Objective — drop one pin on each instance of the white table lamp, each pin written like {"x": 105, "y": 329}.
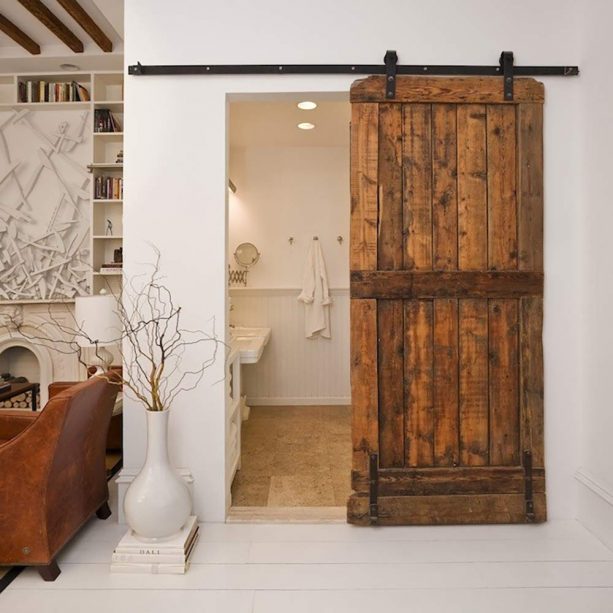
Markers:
{"x": 98, "y": 320}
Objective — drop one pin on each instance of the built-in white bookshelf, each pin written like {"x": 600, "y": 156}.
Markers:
{"x": 105, "y": 91}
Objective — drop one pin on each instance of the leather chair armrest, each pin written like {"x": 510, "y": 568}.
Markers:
{"x": 13, "y": 423}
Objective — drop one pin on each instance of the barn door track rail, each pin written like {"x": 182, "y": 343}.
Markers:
{"x": 390, "y": 68}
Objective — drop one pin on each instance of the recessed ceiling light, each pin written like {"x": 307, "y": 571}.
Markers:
{"x": 307, "y": 105}
{"x": 69, "y": 67}
{"x": 306, "y": 125}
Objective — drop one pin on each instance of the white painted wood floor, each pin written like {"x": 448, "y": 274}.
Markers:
{"x": 249, "y": 568}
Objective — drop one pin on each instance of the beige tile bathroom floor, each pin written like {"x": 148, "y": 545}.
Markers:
{"x": 295, "y": 457}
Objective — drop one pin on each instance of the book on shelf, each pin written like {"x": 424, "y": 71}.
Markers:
{"x": 52, "y": 91}
{"x": 83, "y": 93}
{"x": 105, "y": 121}
{"x": 111, "y": 268}
{"x": 108, "y": 188}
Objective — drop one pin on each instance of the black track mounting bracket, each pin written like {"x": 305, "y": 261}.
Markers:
{"x": 391, "y": 62}
{"x": 136, "y": 69}
{"x": 506, "y": 66}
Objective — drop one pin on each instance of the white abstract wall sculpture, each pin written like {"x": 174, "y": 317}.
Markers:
{"x": 44, "y": 204}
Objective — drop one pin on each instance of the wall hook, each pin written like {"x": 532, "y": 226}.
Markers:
{"x": 291, "y": 240}
{"x": 339, "y": 238}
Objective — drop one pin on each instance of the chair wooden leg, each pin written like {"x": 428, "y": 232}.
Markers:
{"x": 49, "y": 572}
{"x": 104, "y": 512}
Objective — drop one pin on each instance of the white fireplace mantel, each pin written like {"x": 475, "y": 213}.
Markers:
{"x": 53, "y": 365}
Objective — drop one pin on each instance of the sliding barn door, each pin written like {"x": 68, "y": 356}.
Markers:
{"x": 446, "y": 302}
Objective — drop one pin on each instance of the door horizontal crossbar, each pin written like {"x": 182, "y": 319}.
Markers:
{"x": 403, "y": 284}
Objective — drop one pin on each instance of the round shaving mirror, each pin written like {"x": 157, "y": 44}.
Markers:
{"x": 246, "y": 255}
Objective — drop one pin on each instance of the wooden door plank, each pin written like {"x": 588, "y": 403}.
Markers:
{"x": 390, "y": 317}
{"x": 396, "y": 284}
{"x": 472, "y": 187}
{"x": 440, "y": 481}
{"x": 501, "y": 185}
{"x": 419, "y": 380}
{"x": 364, "y": 196}
{"x": 390, "y": 241}
{"x": 444, "y": 187}
{"x": 364, "y": 392}
{"x": 503, "y": 382}
{"x": 473, "y": 384}
{"x": 446, "y": 435}
{"x": 530, "y": 188}
{"x": 417, "y": 186}
{"x": 482, "y": 90}
{"x": 531, "y": 378}
{"x": 445, "y": 510}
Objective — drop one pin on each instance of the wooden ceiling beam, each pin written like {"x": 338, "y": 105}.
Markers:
{"x": 77, "y": 12}
{"x": 19, "y": 36}
{"x": 49, "y": 20}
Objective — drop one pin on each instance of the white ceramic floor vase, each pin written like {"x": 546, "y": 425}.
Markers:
{"x": 157, "y": 503}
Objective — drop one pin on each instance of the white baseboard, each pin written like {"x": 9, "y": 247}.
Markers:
{"x": 127, "y": 475}
{"x": 296, "y": 401}
{"x": 595, "y": 506}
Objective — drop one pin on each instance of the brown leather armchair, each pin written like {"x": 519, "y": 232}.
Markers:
{"x": 52, "y": 474}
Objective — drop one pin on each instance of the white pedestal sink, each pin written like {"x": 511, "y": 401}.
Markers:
{"x": 249, "y": 342}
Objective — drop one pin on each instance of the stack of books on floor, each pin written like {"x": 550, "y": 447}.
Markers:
{"x": 108, "y": 188}
{"x": 170, "y": 556}
{"x": 105, "y": 121}
{"x": 44, "y": 91}
{"x": 112, "y": 268}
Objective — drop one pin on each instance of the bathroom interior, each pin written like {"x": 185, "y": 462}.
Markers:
{"x": 288, "y": 426}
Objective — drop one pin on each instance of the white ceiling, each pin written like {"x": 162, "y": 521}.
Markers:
{"x": 108, "y": 14}
{"x": 272, "y": 123}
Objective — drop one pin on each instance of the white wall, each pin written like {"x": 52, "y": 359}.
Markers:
{"x": 290, "y": 191}
{"x": 176, "y": 174}
{"x": 595, "y": 474}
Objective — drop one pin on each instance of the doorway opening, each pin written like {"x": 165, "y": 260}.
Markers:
{"x": 288, "y": 425}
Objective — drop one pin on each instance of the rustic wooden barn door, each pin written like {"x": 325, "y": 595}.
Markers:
{"x": 446, "y": 302}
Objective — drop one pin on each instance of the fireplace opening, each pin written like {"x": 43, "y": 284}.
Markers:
{"x": 18, "y": 365}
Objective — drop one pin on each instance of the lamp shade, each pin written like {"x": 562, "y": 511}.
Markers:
{"x": 97, "y": 318}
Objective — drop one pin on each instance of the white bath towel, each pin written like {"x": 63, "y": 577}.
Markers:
{"x": 316, "y": 294}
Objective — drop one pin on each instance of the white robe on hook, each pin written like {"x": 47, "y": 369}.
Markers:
{"x": 316, "y": 293}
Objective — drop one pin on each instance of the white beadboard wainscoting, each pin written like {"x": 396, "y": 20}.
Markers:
{"x": 294, "y": 370}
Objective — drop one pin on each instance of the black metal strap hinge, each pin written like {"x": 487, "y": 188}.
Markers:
{"x": 506, "y": 66}
{"x": 391, "y": 63}
{"x": 373, "y": 490}
{"x": 528, "y": 494}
